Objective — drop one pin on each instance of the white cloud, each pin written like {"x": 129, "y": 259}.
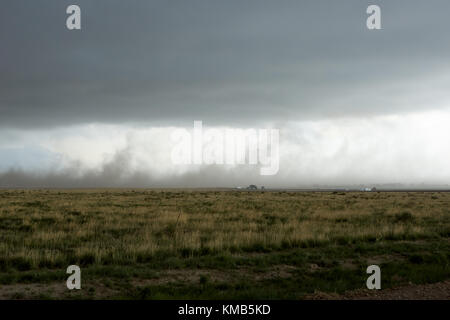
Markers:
{"x": 407, "y": 148}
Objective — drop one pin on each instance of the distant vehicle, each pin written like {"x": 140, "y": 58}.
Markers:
{"x": 252, "y": 187}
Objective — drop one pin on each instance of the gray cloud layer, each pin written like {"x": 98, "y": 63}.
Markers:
{"x": 228, "y": 63}
{"x": 225, "y": 62}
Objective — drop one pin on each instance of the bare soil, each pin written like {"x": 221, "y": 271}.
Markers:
{"x": 434, "y": 291}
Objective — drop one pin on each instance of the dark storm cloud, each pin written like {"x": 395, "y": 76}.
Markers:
{"x": 225, "y": 62}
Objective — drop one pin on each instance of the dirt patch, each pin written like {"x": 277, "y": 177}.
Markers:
{"x": 434, "y": 291}
{"x": 349, "y": 264}
{"x": 55, "y": 290}
{"x": 194, "y": 276}
{"x": 277, "y": 271}
{"x": 377, "y": 260}
{"x": 185, "y": 276}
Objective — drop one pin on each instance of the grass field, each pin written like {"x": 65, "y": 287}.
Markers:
{"x": 159, "y": 244}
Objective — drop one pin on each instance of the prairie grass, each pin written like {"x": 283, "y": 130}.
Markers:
{"x": 50, "y": 229}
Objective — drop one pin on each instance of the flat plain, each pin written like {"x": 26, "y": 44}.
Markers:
{"x": 219, "y": 244}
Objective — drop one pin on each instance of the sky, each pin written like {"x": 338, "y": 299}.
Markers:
{"x": 98, "y": 107}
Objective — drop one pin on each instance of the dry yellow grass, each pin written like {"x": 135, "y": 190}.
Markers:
{"x": 52, "y": 227}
